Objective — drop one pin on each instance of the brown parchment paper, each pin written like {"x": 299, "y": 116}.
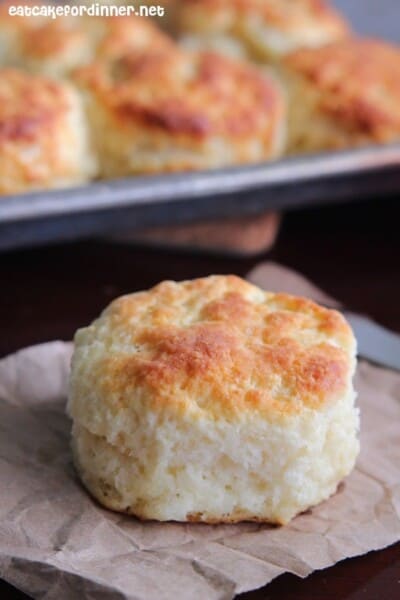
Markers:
{"x": 57, "y": 544}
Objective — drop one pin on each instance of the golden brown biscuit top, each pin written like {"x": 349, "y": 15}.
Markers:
{"x": 359, "y": 82}
{"x": 52, "y": 38}
{"x": 28, "y": 105}
{"x": 185, "y": 94}
{"x": 45, "y": 38}
{"x": 285, "y": 15}
{"x": 219, "y": 346}
{"x": 103, "y": 37}
{"x": 16, "y": 20}
{"x": 124, "y": 34}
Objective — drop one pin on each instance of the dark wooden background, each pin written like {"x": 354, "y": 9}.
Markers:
{"x": 353, "y": 252}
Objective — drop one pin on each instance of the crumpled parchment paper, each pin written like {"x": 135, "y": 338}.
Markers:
{"x": 56, "y": 543}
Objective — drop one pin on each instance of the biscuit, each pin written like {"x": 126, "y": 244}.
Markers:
{"x": 342, "y": 95}
{"x": 258, "y": 29}
{"x": 212, "y": 400}
{"x": 173, "y": 110}
{"x": 54, "y": 47}
{"x": 43, "y": 136}
{"x": 9, "y": 28}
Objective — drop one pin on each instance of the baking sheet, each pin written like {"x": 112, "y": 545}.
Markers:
{"x": 103, "y": 207}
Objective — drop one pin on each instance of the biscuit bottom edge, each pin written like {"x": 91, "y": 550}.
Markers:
{"x": 113, "y": 478}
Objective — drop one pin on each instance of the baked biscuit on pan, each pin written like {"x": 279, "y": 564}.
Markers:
{"x": 43, "y": 134}
{"x": 56, "y": 46}
{"x": 342, "y": 95}
{"x": 258, "y": 29}
{"x": 10, "y": 26}
{"x": 173, "y": 110}
{"x": 212, "y": 400}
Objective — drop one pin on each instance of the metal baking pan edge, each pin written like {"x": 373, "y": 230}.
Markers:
{"x": 139, "y": 202}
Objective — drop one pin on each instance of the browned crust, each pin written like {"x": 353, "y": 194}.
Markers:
{"x": 131, "y": 34}
{"x": 44, "y": 38}
{"x": 358, "y": 82}
{"x": 284, "y": 15}
{"x": 17, "y": 20}
{"x": 29, "y": 106}
{"x": 184, "y": 94}
{"x": 231, "y": 519}
{"x": 233, "y": 340}
{"x": 51, "y": 39}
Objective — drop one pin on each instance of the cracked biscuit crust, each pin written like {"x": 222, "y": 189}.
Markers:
{"x": 344, "y": 94}
{"x": 55, "y": 47}
{"x": 43, "y": 139}
{"x": 221, "y": 347}
{"x": 260, "y": 29}
{"x": 176, "y": 110}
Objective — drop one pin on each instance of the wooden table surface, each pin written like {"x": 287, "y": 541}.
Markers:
{"x": 351, "y": 252}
